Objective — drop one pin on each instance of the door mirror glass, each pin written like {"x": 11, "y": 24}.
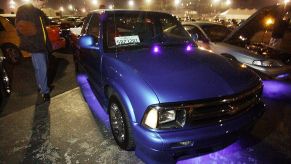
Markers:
{"x": 88, "y": 42}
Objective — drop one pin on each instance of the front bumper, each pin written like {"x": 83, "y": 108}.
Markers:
{"x": 274, "y": 72}
{"x": 161, "y": 147}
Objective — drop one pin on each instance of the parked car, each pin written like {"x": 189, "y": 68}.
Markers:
{"x": 54, "y": 20}
{"x": 5, "y": 88}
{"x": 9, "y": 40}
{"x": 75, "y": 34}
{"x": 165, "y": 98}
{"x": 206, "y": 34}
{"x": 67, "y": 24}
{"x": 57, "y": 41}
{"x": 250, "y": 43}
{"x": 73, "y": 21}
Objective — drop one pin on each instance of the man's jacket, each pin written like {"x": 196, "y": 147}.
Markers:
{"x": 38, "y": 42}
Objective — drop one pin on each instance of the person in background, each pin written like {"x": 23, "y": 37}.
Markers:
{"x": 30, "y": 25}
{"x": 279, "y": 30}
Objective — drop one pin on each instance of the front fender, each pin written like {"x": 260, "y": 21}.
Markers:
{"x": 136, "y": 95}
{"x": 118, "y": 91}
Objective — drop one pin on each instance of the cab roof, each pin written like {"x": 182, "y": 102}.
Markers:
{"x": 125, "y": 11}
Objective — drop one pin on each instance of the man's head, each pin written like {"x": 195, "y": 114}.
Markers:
{"x": 39, "y": 3}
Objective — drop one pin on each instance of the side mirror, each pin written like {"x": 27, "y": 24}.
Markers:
{"x": 195, "y": 37}
{"x": 88, "y": 42}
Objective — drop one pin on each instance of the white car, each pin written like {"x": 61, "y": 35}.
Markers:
{"x": 250, "y": 43}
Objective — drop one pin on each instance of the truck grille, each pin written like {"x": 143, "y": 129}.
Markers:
{"x": 223, "y": 108}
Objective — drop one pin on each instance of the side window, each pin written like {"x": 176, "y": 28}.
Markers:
{"x": 1, "y": 27}
{"x": 197, "y": 31}
{"x": 93, "y": 28}
{"x": 172, "y": 28}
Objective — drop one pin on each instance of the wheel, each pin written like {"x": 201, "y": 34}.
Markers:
{"x": 120, "y": 125}
{"x": 5, "y": 83}
{"x": 4, "y": 88}
{"x": 12, "y": 53}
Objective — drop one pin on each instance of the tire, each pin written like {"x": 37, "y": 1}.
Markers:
{"x": 120, "y": 125}
{"x": 4, "y": 89}
{"x": 11, "y": 53}
{"x": 5, "y": 83}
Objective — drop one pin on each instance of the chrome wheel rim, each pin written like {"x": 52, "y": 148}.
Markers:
{"x": 117, "y": 123}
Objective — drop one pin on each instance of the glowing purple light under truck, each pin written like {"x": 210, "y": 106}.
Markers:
{"x": 163, "y": 96}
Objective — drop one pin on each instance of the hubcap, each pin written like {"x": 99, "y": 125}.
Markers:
{"x": 118, "y": 128}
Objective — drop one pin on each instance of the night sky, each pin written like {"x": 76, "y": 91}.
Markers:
{"x": 123, "y": 3}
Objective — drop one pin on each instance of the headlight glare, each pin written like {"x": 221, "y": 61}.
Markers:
{"x": 151, "y": 118}
{"x": 165, "y": 118}
{"x": 267, "y": 63}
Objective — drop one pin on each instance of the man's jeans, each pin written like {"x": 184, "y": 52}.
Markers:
{"x": 39, "y": 61}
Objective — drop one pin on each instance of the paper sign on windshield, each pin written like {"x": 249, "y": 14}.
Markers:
{"x": 121, "y": 40}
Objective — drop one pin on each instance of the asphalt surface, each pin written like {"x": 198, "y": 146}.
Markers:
{"x": 24, "y": 89}
{"x": 69, "y": 130}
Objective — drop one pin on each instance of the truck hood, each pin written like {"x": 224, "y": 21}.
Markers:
{"x": 177, "y": 75}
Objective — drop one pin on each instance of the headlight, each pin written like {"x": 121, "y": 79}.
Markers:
{"x": 164, "y": 118}
{"x": 267, "y": 63}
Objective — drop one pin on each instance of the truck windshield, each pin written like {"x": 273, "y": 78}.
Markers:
{"x": 142, "y": 29}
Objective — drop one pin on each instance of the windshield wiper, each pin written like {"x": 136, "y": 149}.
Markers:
{"x": 128, "y": 45}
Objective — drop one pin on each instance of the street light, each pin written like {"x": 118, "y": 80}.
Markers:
{"x": 215, "y": 2}
{"x": 131, "y": 3}
{"x": 94, "y": 2}
{"x": 12, "y": 4}
{"x": 286, "y": 1}
{"x": 148, "y": 1}
{"x": 26, "y": 1}
{"x": 177, "y": 2}
{"x": 70, "y": 7}
{"x": 228, "y": 2}
{"x": 83, "y": 10}
{"x": 111, "y": 6}
{"x": 62, "y": 9}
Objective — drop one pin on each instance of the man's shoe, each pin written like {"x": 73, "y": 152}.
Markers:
{"x": 46, "y": 97}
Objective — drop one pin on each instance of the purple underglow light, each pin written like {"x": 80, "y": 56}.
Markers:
{"x": 276, "y": 89}
{"x": 156, "y": 49}
{"x": 189, "y": 48}
{"x": 282, "y": 76}
{"x": 92, "y": 102}
{"x": 230, "y": 154}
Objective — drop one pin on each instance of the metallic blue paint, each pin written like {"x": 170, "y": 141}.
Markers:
{"x": 88, "y": 42}
{"x": 140, "y": 78}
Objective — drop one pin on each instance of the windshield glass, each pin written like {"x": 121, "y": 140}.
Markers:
{"x": 142, "y": 29}
{"x": 216, "y": 33}
{"x": 270, "y": 27}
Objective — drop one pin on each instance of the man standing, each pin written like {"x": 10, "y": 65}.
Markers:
{"x": 30, "y": 25}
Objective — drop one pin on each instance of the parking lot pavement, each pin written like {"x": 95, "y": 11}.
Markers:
{"x": 70, "y": 131}
{"x": 63, "y": 131}
{"x": 24, "y": 89}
